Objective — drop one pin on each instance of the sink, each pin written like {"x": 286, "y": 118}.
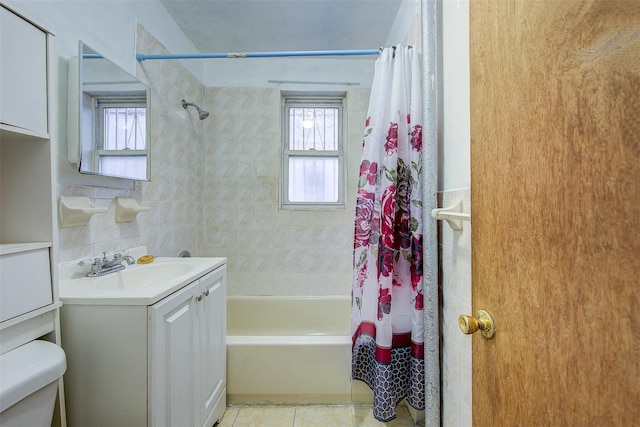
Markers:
{"x": 141, "y": 275}
{"x": 136, "y": 284}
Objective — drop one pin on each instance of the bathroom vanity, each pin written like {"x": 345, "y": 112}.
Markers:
{"x": 146, "y": 345}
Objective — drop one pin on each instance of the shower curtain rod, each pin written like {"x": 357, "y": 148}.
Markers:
{"x": 144, "y": 57}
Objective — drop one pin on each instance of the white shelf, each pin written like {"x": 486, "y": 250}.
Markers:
{"x": 8, "y": 132}
{"x": 27, "y": 327}
{"x": 14, "y": 248}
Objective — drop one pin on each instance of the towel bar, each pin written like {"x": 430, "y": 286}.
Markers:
{"x": 452, "y": 214}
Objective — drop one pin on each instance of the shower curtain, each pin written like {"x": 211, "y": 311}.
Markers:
{"x": 387, "y": 302}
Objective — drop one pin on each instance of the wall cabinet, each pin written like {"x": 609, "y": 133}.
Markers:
{"x": 158, "y": 365}
{"x": 23, "y": 73}
{"x": 27, "y": 212}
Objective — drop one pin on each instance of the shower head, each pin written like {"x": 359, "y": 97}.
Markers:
{"x": 201, "y": 113}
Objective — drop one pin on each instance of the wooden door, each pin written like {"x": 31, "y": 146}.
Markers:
{"x": 555, "y": 189}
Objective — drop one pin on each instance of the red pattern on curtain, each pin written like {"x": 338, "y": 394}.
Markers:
{"x": 387, "y": 300}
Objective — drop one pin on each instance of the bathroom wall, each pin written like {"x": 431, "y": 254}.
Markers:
{"x": 174, "y": 193}
{"x": 114, "y": 29}
{"x": 455, "y": 246}
{"x": 272, "y": 251}
{"x": 228, "y": 204}
{"x": 311, "y": 243}
{"x": 214, "y": 183}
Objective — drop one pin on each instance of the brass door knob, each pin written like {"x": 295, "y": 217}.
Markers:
{"x": 482, "y": 321}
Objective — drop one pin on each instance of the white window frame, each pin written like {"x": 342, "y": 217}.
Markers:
{"x": 301, "y": 100}
{"x": 122, "y": 101}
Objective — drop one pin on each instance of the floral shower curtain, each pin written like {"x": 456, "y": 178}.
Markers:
{"x": 387, "y": 303}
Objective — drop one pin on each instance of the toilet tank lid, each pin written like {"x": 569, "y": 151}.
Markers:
{"x": 28, "y": 368}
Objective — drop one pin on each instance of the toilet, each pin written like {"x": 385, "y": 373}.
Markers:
{"x": 29, "y": 383}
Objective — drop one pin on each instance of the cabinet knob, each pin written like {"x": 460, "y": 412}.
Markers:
{"x": 199, "y": 297}
{"x": 206, "y": 293}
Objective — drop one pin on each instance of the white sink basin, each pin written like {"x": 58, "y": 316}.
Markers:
{"x": 141, "y": 275}
{"x": 136, "y": 284}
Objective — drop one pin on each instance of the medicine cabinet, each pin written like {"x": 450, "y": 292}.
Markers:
{"x": 109, "y": 118}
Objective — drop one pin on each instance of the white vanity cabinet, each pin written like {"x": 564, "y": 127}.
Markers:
{"x": 157, "y": 365}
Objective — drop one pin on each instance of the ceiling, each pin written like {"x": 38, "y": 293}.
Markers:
{"x": 217, "y": 26}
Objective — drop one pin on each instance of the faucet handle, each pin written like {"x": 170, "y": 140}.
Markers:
{"x": 96, "y": 266}
{"x": 121, "y": 256}
{"x": 89, "y": 261}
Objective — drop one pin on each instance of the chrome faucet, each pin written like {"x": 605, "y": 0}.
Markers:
{"x": 102, "y": 266}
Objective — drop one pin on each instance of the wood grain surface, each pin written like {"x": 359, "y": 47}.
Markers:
{"x": 555, "y": 184}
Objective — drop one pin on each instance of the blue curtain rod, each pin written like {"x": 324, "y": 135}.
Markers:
{"x": 143, "y": 57}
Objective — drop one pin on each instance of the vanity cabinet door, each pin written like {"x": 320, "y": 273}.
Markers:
{"x": 187, "y": 354}
{"x": 212, "y": 355}
{"x": 172, "y": 355}
{"x": 23, "y": 73}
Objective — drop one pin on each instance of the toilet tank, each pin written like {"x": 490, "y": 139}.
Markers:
{"x": 28, "y": 383}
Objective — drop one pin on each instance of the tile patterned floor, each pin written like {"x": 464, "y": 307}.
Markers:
{"x": 309, "y": 416}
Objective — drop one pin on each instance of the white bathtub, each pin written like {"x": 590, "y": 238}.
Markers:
{"x": 290, "y": 350}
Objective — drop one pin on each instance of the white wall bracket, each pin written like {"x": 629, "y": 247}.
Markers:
{"x": 74, "y": 211}
{"x": 127, "y": 208}
{"x": 452, "y": 214}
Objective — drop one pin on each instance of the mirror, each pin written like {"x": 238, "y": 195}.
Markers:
{"x": 111, "y": 112}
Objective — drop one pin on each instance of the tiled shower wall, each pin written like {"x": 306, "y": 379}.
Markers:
{"x": 175, "y": 221}
{"x": 214, "y": 190}
{"x": 455, "y": 247}
{"x": 272, "y": 251}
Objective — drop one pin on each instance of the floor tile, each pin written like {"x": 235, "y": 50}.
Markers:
{"x": 310, "y": 416}
{"x": 363, "y": 417}
{"x": 265, "y": 416}
{"x": 229, "y": 417}
{"x": 324, "y": 416}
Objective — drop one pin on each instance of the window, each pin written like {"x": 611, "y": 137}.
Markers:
{"x": 121, "y": 146}
{"x": 313, "y": 153}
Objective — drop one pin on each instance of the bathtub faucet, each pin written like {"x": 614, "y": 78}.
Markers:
{"x": 102, "y": 266}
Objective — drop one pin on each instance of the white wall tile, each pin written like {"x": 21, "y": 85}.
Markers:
{"x": 302, "y": 252}
{"x": 455, "y": 249}
{"x": 175, "y": 192}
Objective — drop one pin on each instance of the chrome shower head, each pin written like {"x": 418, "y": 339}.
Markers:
{"x": 201, "y": 113}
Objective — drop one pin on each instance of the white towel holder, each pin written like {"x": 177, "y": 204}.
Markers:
{"x": 452, "y": 214}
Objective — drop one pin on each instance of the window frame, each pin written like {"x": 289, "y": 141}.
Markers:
{"x": 100, "y": 102}
{"x": 314, "y": 100}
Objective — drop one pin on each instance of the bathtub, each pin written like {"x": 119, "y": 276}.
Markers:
{"x": 287, "y": 350}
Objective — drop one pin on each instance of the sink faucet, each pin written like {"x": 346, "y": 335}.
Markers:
{"x": 102, "y": 266}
